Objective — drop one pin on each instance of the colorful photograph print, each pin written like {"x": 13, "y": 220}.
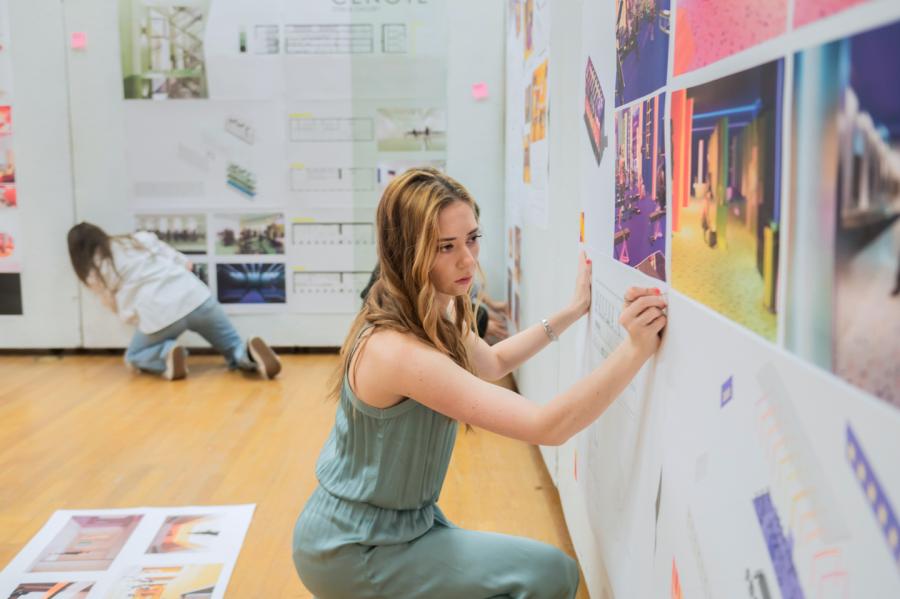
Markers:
{"x": 248, "y": 234}
{"x": 726, "y": 194}
{"x": 7, "y": 160}
{"x": 707, "y": 31}
{"x": 193, "y": 581}
{"x": 642, "y": 47}
{"x": 184, "y": 232}
{"x": 411, "y": 129}
{"x": 86, "y": 543}
{"x": 529, "y": 28}
{"x": 807, "y": 11}
{"x": 843, "y": 304}
{"x": 52, "y": 590}
{"x": 187, "y": 534}
{"x": 639, "y": 238}
{"x": 594, "y": 111}
{"x": 538, "y": 104}
{"x": 163, "y": 57}
{"x": 10, "y": 242}
{"x": 201, "y": 271}
{"x": 7, "y": 250}
{"x": 250, "y": 283}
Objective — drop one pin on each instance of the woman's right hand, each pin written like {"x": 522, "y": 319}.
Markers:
{"x": 644, "y": 317}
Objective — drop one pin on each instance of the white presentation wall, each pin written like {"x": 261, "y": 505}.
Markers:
{"x": 742, "y": 157}
{"x": 39, "y": 298}
{"x": 256, "y": 137}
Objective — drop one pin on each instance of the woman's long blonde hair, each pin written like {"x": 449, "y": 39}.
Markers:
{"x": 403, "y": 298}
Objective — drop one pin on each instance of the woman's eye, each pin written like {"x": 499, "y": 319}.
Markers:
{"x": 474, "y": 239}
{"x": 445, "y": 248}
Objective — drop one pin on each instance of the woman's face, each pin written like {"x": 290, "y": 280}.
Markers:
{"x": 457, "y": 254}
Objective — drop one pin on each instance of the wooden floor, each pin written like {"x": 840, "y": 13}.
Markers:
{"x": 82, "y": 432}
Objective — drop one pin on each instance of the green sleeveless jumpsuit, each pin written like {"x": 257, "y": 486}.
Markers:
{"x": 372, "y": 527}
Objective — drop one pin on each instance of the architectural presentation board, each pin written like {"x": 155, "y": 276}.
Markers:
{"x": 173, "y": 115}
{"x": 741, "y": 157}
{"x": 167, "y": 553}
{"x": 258, "y": 136}
{"x": 528, "y": 76}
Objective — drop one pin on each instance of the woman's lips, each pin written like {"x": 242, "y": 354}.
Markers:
{"x": 464, "y": 280}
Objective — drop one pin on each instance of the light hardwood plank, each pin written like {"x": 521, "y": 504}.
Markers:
{"x": 83, "y": 432}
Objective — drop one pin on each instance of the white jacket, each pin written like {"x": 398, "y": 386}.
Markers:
{"x": 150, "y": 285}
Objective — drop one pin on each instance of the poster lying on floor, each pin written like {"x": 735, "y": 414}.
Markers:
{"x": 164, "y": 553}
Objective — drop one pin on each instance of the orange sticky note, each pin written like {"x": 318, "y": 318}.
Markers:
{"x": 79, "y": 40}
{"x": 581, "y": 229}
{"x": 480, "y": 91}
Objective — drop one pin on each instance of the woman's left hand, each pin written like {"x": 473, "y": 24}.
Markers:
{"x": 581, "y": 302}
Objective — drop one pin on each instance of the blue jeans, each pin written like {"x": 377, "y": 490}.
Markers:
{"x": 148, "y": 352}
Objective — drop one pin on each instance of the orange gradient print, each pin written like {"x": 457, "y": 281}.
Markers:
{"x": 539, "y": 103}
{"x": 7, "y": 245}
{"x": 676, "y": 582}
{"x": 707, "y": 31}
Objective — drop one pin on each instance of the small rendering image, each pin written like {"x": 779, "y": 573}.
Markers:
{"x": 187, "y": 534}
{"x": 252, "y": 283}
{"x": 247, "y": 234}
{"x": 192, "y": 581}
{"x": 184, "y": 232}
{"x": 202, "y": 272}
{"x": 86, "y": 543}
{"x": 52, "y": 590}
{"x": 594, "y": 111}
{"x": 162, "y": 49}
{"x": 639, "y": 239}
{"x": 642, "y": 47}
{"x": 411, "y": 129}
{"x": 7, "y": 160}
{"x": 538, "y": 104}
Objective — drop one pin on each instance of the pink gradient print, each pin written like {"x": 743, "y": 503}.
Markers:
{"x": 710, "y": 30}
{"x": 807, "y": 11}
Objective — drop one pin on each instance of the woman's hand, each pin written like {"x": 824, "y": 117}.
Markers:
{"x": 581, "y": 302}
{"x": 644, "y": 317}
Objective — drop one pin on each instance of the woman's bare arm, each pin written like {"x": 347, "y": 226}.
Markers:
{"x": 409, "y": 368}
{"x": 494, "y": 362}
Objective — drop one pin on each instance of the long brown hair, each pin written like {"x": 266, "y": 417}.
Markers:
{"x": 90, "y": 247}
{"x": 403, "y": 297}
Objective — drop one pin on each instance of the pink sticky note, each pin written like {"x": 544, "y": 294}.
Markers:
{"x": 79, "y": 40}
{"x": 480, "y": 91}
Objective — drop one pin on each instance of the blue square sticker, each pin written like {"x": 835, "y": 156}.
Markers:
{"x": 727, "y": 391}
